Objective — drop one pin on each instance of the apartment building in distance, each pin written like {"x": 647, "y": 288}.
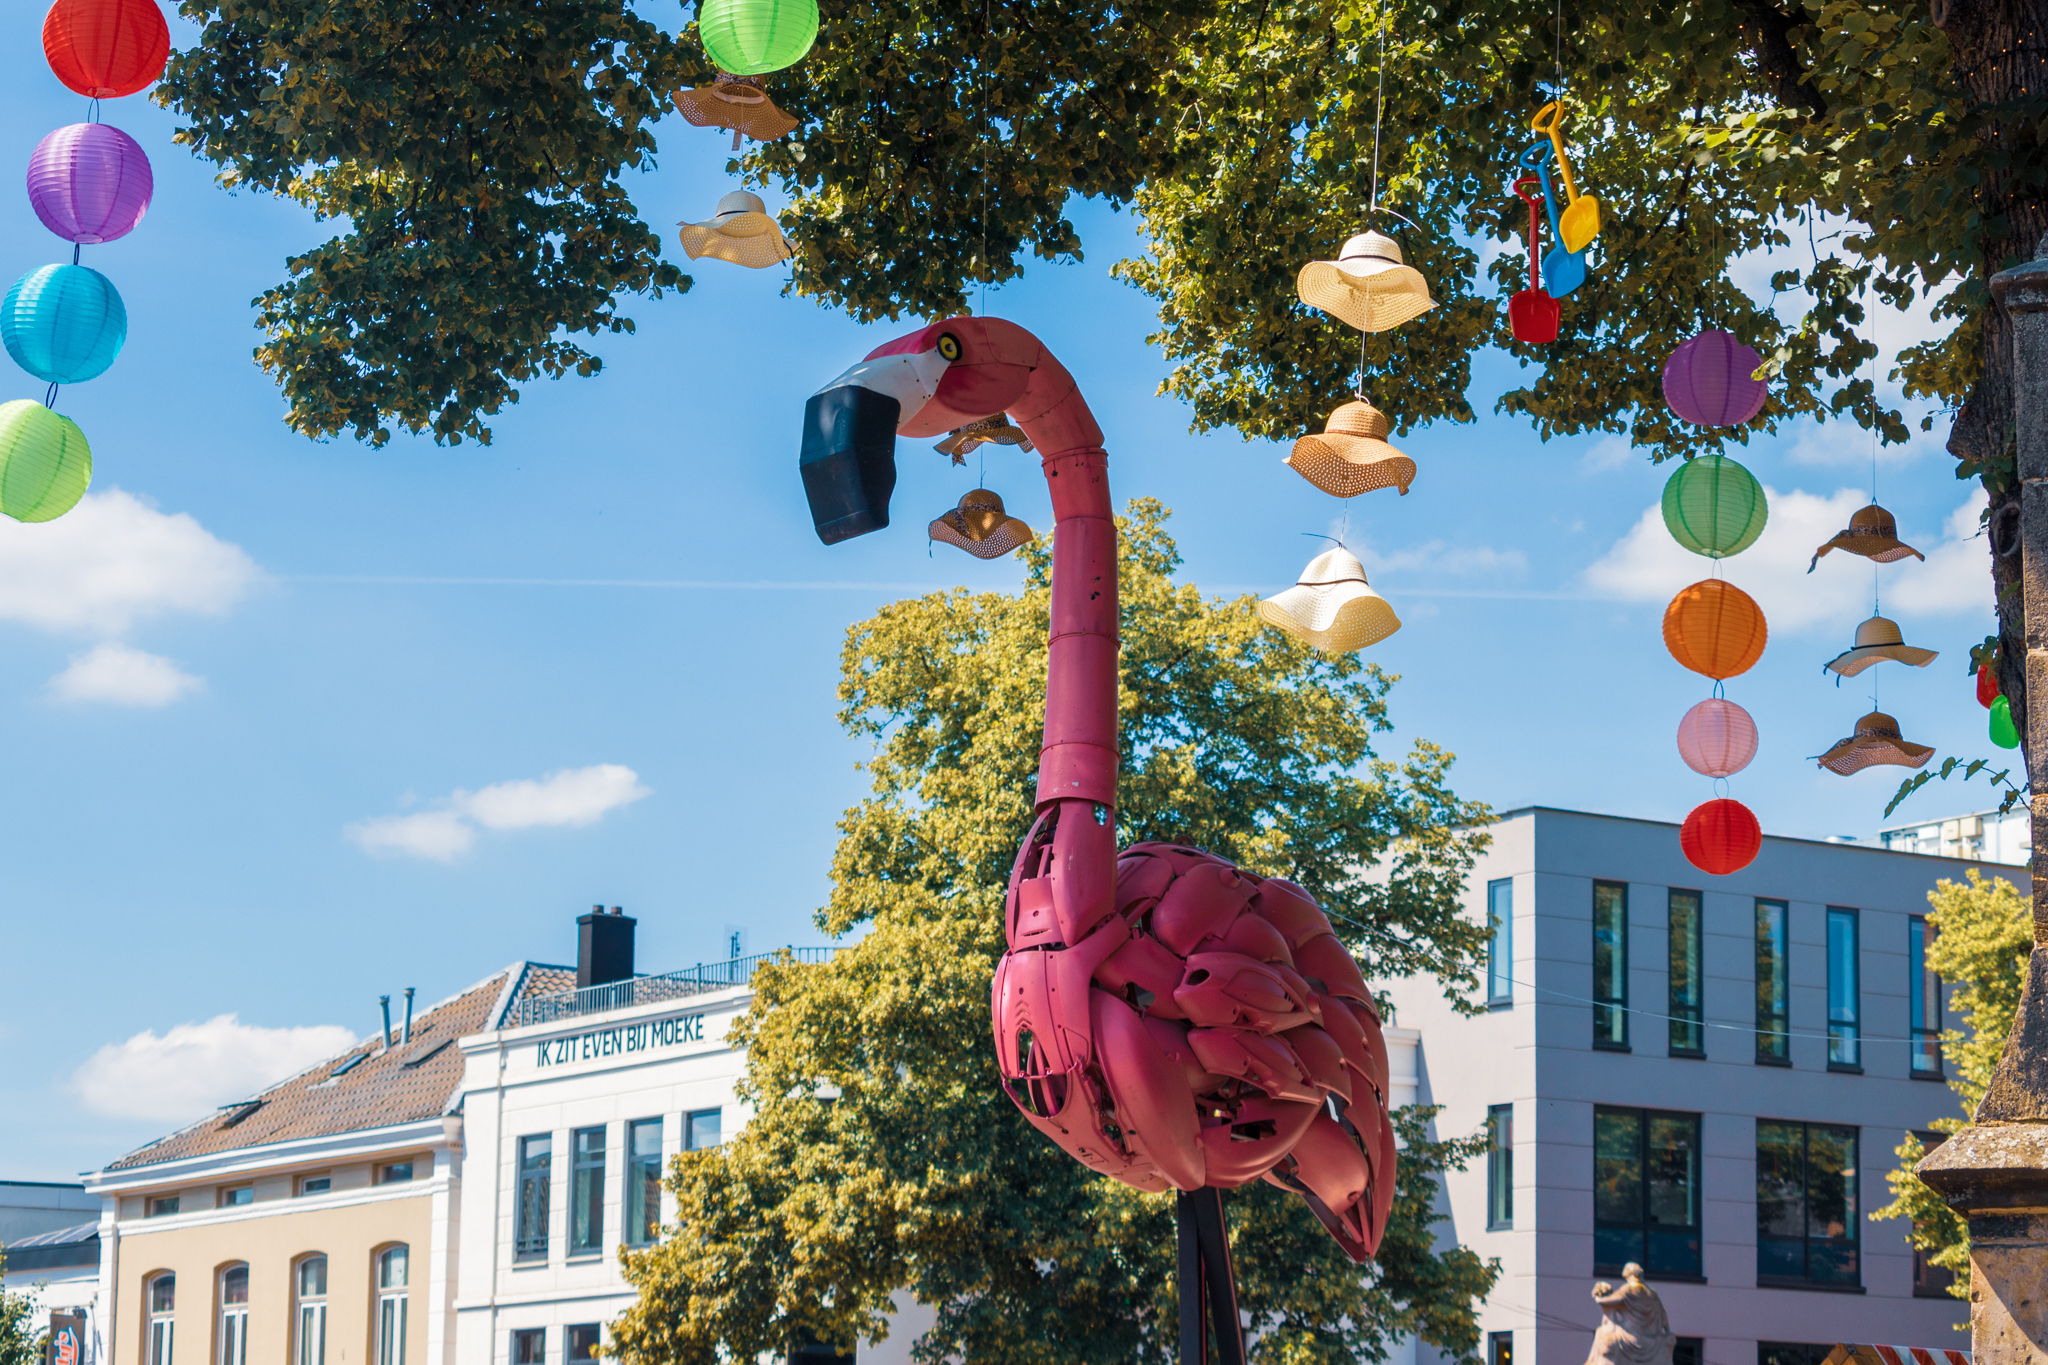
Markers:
{"x": 1702, "y": 1075}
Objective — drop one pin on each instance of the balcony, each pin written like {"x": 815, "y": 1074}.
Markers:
{"x": 651, "y": 990}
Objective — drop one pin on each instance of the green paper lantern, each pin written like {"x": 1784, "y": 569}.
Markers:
{"x": 2003, "y": 732}
{"x": 748, "y": 37}
{"x": 45, "y": 464}
{"x": 1714, "y": 507}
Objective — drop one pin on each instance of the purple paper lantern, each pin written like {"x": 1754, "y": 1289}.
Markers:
{"x": 1707, "y": 381}
{"x": 89, "y": 182}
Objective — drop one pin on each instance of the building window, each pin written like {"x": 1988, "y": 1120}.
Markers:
{"x": 1845, "y": 1045}
{"x": 395, "y": 1171}
{"x": 643, "y": 1181}
{"x": 583, "y": 1341}
{"x": 163, "y": 1301}
{"x": 391, "y": 1304}
{"x": 1930, "y": 1281}
{"x": 1500, "y": 1348}
{"x": 311, "y": 1336}
{"x": 164, "y": 1207}
{"x": 234, "y": 1316}
{"x": 315, "y": 1184}
{"x": 1500, "y": 1167}
{"x": 1500, "y": 948}
{"x": 1610, "y": 965}
{"x": 1791, "y": 1353}
{"x": 1806, "y": 1212}
{"x": 1773, "y": 1022}
{"x": 530, "y": 1346}
{"x": 1925, "y": 988}
{"x": 536, "y": 1155}
{"x": 1689, "y": 1351}
{"x": 808, "y": 1350}
{"x": 1646, "y": 1191}
{"x": 238, "y": 1196}
{"x": 586, "y": 1208}
{"x": 1688, "y": 1029}
{"x": 700, "y": 1130}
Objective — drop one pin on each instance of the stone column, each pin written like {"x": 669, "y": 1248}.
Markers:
{"x": 1995, "y": 1172}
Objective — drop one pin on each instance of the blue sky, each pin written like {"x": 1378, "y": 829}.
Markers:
{"x": 229, "y": 673}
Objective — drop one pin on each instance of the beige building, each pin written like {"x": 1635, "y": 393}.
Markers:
{"x": 314, "y": 1224}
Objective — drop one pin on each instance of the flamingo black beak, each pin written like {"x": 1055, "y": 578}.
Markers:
{"x": 848, "y": 461}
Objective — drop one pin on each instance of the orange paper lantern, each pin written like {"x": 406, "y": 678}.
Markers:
{"x": 1714, "y": 628}
{"x": 1720, "y": 837}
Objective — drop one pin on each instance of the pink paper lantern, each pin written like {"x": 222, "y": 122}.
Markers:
{"x": 89, "y": 182}
{"x": 1707, "y": 381}
{"x": 1717, "y": 738}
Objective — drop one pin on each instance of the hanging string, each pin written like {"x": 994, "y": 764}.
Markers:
{"x": 50, "y": 398}
{"x": 981, "y": 302}
{"x": 1379, "y": 117}
{"x": 1557, "y": 35}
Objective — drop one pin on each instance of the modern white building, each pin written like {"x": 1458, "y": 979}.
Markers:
{"x": 1703, "y": 1075}
{"x": 1983, "y": 836}
{"x": 51, "y": 1236}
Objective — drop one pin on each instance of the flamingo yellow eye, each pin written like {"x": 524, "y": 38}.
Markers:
{"x": 949, "y": 346}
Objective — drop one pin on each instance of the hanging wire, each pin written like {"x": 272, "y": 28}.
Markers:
{"x": 1379, "y": 117}
{"x": 50, "y": 398}
{"x": 987, "y": 29}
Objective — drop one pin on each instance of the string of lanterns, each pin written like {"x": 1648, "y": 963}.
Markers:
{"x": 89, "y": 183}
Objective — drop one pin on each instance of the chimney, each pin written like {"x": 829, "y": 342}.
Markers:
{"x": 408, "y": 1014}
{"x": 384, "y": 1038}
{"x": 604, "y": 947}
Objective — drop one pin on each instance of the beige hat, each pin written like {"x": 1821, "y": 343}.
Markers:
{"x": 1878, "y": 639}
{"x": 1351, "y": 455}
{"x": 1873, "y": 534}
{"x": 1876, "y": 741}
{"x": 980, "y": 526}
{"x": 1332, "y": 607}
{"x": 740, "y": 103}
{"x": 741, "y": 232}
{"x": 996, "y": 430}
{"x": 1367, "y": 285}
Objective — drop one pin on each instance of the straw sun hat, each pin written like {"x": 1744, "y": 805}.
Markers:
{"x": 741, "y": 232}
{"x": 980, "y": 526}
{"x": 1351, "y": 455}
{"x": 1876, "y": 741}
{"x": 1332, "y": 607}
{"x": 1878, "y": 639}
{"x": 1368, "y": 285}
{"x": 740, "y": 103}
{"x": 1873, "y": 534}
{"x": 994, "y": 430}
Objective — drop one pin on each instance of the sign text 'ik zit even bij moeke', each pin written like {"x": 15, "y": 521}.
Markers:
{"x": 625, "y": 1039}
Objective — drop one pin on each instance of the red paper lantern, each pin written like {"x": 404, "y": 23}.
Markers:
{"x": 105, "y": 49}
{"x": 1720, "y": 837}
{"x": 1988, "y": 690}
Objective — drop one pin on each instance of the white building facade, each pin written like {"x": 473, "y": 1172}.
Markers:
{"x": 1703, "y": 1075}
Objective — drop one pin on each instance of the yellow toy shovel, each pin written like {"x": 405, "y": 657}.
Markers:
{"x": 1581, "y": 221}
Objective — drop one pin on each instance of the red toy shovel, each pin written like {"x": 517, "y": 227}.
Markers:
{"x": 1532, "y": 314}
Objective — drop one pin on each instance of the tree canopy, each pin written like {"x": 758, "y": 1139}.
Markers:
{"x": 883, "y": 1160}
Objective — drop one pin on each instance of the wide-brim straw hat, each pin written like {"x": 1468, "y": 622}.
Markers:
{"x": 980, "y": 526}
{"x": 1878, "y": 639}
{"x": 1368, "y": 285}
{"x": 988, "y": 430}
{"x": 1351, "y": 455}
{"x": 1332, "y": 607}
{"x": 741, "y": 232}
{"x": 740, "y": 103}
{"x": 1873, "y": 534}
{"x": 1876, "y": 741}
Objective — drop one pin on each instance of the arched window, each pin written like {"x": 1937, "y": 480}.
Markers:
{"x": 392, "y": 1274}
{"x": 163, "y": 1298}
{"x": 310, "y": 1335}
{"x": 234, "y": 1315}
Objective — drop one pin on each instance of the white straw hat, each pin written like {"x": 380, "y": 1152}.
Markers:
{"x": 1878, "y": 639}
{"x": 1368, "y": 285}
{"x": 741, "y": 231}
{"x": 1332, "y": 607}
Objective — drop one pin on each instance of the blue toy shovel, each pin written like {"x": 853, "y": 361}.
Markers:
{"x": 1563, "y": 271}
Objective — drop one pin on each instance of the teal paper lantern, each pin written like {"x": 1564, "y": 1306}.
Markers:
{"x": 2004, "y": 733}
{"x": 748, "y": 37}
{"x": 64, "y": 324}
{"x": 45, "y": 464}
{"x": 1714, "y": 507}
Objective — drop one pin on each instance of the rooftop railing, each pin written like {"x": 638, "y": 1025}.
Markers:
{"x": 649, "y": 990}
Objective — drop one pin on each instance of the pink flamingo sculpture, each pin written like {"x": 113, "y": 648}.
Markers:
{"x": 1164, "y": 1017}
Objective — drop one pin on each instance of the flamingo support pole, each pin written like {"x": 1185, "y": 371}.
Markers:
{"x": 1164, "y": 1017}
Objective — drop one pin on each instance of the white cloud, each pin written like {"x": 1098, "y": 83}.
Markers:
{"x": 114, "y": 560}
{"x": 1647, "y": 565}
{"x": 571, "y": 797}
{"x": 122, "y": 676}
{"x": 191, "y": 1068}
{"x": 1610, "y": 452}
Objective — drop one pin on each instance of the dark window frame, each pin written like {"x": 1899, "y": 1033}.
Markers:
{"x": 1774, "y": 1026}
{"x": 1792, "y": 1353}
{"x": 690, "y": 1143}
{"x": 579, "y": 1334}
{"x": 1847, "y": 1249}
{"x": 522, "y": 1337}
{"x": 1500, "y": 943}
{"x": 1610, "y": 1011}
{"x": 1845, "y": 1047}
{"x": 1500, "y": 1167}
{"x": 1500, "y": 1348}
{"x": 1925, "y": 1048}
{"x": 642, "y": 1211}
{"x": 534, "y": 1177}
{"x": 586, "y": 1189}
{"x": 1688, "y": 1006}
{"x": 1930, "y": 1281}
{"x": 1654, "y": 1257}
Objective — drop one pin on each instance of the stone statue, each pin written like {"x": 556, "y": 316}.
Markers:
{"x": 1634, "y": 1330}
